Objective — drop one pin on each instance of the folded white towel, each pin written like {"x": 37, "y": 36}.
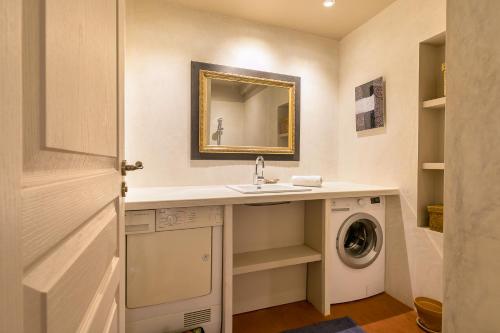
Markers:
{"x": 315, "y": 181}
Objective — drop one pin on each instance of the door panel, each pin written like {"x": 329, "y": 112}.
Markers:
{"x": 81, "y": 75}
{"x": 53, "y": 211}
{"x": 104, "y": 303}
{"x": 65, "y": 282}
{"x": 43, "y": 165}
{"x": 72, "y": 236}
{"x": 112, "y": 320}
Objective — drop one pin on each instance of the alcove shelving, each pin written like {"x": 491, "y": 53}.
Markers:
{"x": 431, "y": 129}
{"x": 433, "y": 166}
{"x": 434, "y": 104}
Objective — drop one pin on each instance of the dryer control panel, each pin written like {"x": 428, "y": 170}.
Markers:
{"x": 188, "y": 217}
{"x": 139, "y": 221}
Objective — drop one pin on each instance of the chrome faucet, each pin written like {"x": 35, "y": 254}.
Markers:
{"x": 258, "y": 178}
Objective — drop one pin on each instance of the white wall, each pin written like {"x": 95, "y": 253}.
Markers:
{"x": 472, "y": 238}
{"x": 387, "y": 46}
{"x": 162, "y": 39}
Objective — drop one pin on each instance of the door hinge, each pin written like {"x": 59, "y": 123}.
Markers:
{"x": 131, "y": 167}
{"x": 124, "y": 189}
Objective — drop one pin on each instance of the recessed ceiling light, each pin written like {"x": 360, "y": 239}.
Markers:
{"x": 328, "y": 3}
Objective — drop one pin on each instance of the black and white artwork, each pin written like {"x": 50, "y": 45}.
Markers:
{"x": 370, "y": 105}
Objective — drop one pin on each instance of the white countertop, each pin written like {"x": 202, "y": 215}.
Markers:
{"x": 186, "y": 196}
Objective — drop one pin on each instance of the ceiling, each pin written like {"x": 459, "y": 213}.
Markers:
{"x": 302, "y": 15}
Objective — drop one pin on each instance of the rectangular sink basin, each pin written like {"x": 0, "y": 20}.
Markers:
{"x": 267, "y": 188}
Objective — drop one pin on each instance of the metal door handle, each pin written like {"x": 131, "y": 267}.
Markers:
{"x": 129, "y": 167}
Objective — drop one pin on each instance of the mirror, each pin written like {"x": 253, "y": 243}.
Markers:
{"x": 246, "y": 114}
{"x": 240, "y": 114}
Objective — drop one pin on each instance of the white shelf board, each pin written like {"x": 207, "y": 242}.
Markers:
{"x": 432, "y": 233}
{"x": 255, "y": 261}
{"x": 433, "y": 104}
{"x": 284, "y": 135}
{"x": 433, "y": 166}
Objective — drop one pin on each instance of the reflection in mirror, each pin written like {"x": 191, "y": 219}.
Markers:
{"x": 246, "y": 114}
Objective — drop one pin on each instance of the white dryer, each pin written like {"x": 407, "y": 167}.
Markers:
{"x": 357, "y": 248}
{"x": 174, "y": 269}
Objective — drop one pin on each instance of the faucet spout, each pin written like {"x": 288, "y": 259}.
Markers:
{"x": 258, "y": 177}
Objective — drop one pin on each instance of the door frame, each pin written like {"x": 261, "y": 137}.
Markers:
{"x": 121, "y": 156}
{"x": 11, "y": 302}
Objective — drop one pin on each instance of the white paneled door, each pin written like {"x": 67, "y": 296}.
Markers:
{"x": 61, "y": 127}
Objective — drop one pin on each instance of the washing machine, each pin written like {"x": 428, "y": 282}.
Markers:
{"x": 174, "y": 269}
{"x": 357, "y": 250}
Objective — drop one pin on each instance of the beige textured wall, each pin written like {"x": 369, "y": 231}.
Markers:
{"x": 472, "y": 179}
{"x": 388, "y": 46}
{"x": 162, "y": 39}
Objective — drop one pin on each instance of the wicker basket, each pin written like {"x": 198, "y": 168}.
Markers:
{"x": 435, "y": 217}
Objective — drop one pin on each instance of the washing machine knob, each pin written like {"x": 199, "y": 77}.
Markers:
{"x": 362, "y": 202}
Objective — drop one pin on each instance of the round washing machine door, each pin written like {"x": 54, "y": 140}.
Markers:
{"x": 359, "y": 240}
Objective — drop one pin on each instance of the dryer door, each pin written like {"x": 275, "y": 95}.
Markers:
{"x": 359, "y": 240}
{"x": 168, "y": 266}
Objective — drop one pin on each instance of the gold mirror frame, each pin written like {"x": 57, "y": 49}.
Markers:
{"x": 201, "y": 73}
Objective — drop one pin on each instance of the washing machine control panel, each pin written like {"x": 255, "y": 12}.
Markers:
{"x": 347, "y": 204}
{"x": 188, "y": 217}
{"x": 362, "y": 202}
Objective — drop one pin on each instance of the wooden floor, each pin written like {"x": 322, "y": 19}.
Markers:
{"x": 378, "y": 314}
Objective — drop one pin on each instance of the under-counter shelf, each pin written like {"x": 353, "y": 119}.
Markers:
{"x": 279, "y": 255}
{"x": 433, "y": 104}
{"x": 255, "y": 261}
{"x": 433, "y": 166}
